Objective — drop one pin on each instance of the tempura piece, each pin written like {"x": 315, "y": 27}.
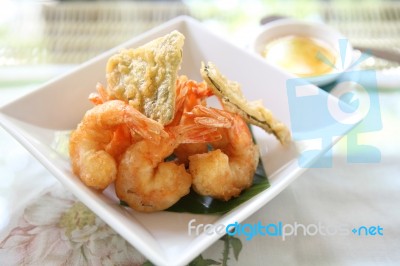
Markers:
{"x": 233, "y": 100}
{"x": 145, "y": 76}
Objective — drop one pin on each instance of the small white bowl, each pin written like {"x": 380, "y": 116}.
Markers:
{"x": 288, "y": 27}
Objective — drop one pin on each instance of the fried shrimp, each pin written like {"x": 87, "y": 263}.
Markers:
{"x": 103, "y": 135}
{"x": 145, "y": 181}
{"x": 224, "y": 172}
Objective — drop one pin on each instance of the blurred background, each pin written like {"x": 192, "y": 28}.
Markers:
{"x": 55, "y": 35}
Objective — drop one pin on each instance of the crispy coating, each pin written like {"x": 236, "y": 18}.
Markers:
{"x": 145, "y": 76}
{"x": 233, "y": 100}
{"x": 227, "y": 170}
{"x": 145, "y": 181}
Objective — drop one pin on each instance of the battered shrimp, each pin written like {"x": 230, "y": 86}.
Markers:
{"x": 103, "y": 134}
{"x": 224, "y": 172}
{"x": 145, "y": 181}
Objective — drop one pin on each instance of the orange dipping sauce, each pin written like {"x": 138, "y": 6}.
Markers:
{"x": 302, "y": 56}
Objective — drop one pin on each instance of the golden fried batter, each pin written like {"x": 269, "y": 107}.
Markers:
{"x": 145, "y": 76}
{"x": 234, "y": 101}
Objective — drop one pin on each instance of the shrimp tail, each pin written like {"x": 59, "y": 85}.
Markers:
{"x": 95, "y": 98}
{"x": 193, "y": 133}
{"x": 100, "y": 97}
{"x": 211, "y": 117}
{"x": 181, "y": 92}
{"x": 144, "y": 126}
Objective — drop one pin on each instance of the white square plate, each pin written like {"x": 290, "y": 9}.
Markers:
{"x": 35, "y": 120}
